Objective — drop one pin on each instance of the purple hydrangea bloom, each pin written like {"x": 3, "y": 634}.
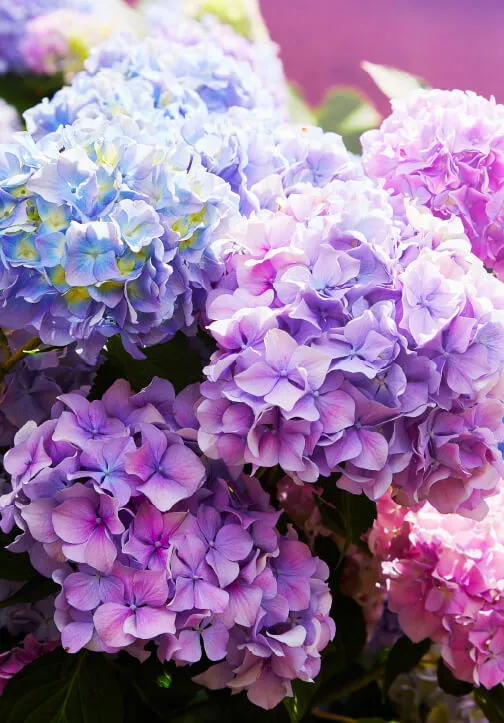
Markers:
{"x": 31, "y": 389}
{"x": 150, "y": 542}
{"x": 444, "y": 150}
{"x": 352, "y": 343}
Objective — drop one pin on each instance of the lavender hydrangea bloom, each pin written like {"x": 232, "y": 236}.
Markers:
{"x": 351, "y": 343}
{"x": 444, "y": 150}
{"x": 182, "y": 552}
{"x": 31, "y": 389}
{"x": 104, "y": 231}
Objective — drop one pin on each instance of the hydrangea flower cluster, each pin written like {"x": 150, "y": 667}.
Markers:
{"x": 31, "y": 389}
{"x": 9, "y": 122}
{"x": 351, "y": 344}
{"x": 153, "y": 81}
{"x": 444, "y": 579}
{"x": 14, "y": 20}
{"x": 445, "y": 149}
{"x": 149, "y": 544}
{"x": 105, "y": 231}
{"x": 261, "y": 55}
{"x": 60, "y": 40}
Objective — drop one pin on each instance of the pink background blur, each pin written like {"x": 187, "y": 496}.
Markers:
{"x": 450, "y": 43}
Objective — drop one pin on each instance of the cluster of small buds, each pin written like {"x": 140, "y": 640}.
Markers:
{"x": 350, "y": 343}
{"x": 445, "y": 150}
{"x": 149, "y": 544}
{"x": 444, "y": 580}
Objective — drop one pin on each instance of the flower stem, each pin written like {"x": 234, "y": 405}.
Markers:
{"x": 13, "y": 359}
{"x": 4, "y": 344}
{"x": 353, "y": 685}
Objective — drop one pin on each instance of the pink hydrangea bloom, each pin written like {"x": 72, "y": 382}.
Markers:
{"x": 444, "y": 580}
{"x": 445, "y": 150}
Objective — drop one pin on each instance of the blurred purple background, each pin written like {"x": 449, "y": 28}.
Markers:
{"x": 450, "y": 43}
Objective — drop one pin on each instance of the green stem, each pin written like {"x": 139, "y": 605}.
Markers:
{"x": 13, "y": 359}
{"x": 353, "y": 685}
{"x": 4, "y": 344}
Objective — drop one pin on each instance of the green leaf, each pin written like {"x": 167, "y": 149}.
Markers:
{"x": 403, "y": 657}
{"x": 179, "y": 360}
{"x": 300, "y": 111}
{"x": 349, "y": 113}
{"x": 299, "y": 705}
{"x": 449, "y": 683}
{"x": 491, "y": 703}
{"x": 37, "y": 589}
{"x": 392, "y": 82}
{"x": 351, "y": 632}
{"x": 62, "y": 688}
{"x": 25, "y": 91}
{"x": 349, "y": 516}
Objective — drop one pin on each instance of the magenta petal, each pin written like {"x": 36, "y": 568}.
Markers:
{"x": 74, "y": 520}
{"x": 374, "y": 453}
{"x": 184, "y": 595}
{"x": 233, "y": 542}
{"x": 244, "y": 603}
{"x": 149, "y": 622}
{"x": 258, "y": 380}
{"x": 148, "y": 523}
{"x": 225, "y": 570}
{"x": 215, "y": 640}
{"x": 164, "y": 493}
{"x": 190, "y": 646}
{"x": 82, "y": 591}
{"x": 38, "y": 517}
{"x": 75, "y": 636}
{"x": 100, "y": 550}
{"x": 109, "y": 622}
{"x": 150, "y": 587}
{"x": 209, "y": 597}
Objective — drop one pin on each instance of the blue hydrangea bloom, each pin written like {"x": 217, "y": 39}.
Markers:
{"x": 106, "y": 229}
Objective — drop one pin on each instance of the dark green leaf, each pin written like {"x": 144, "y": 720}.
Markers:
{"x": 491, "y": 703}
{"x": 449, "y": 683}
{"x": 179, "y": 360}
{"x": 349, "y": 516}
{"x": 349, "y": 113}
{"x": 351, "y": 633}
{"x": 62, "y": 688}
{"x": 403, "y": 657}
{"x": 14, "y": 565}
{"x": 36, "y": 589}
{"x": 25, "y": 91}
